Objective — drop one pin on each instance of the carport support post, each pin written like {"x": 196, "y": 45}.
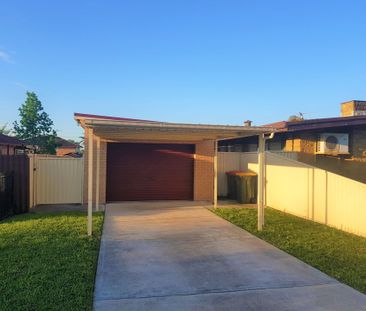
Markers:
{"x": 90, "y": 181}
{"x": 261, "y": 179}
{"x": 215, "y": 176}
{"x": 97, "y": 175}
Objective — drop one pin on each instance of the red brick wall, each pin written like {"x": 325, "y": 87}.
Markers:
{"x": 204, "y": 171}
{"x": 61, "y": 151}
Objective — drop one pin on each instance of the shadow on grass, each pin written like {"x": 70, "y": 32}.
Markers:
{"x": 46, "y": 215}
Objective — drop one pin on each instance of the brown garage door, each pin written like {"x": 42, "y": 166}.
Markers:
{"x": 149, "y": 172}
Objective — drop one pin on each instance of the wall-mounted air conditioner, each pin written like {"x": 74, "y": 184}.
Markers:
{"x": 332, "y": 144}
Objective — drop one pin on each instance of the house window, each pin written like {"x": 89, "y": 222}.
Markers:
{"x": 274, "y": 145}
{"x": 237, "y": 148}
{"x": 252, "y": 147}
{"x": 19, "y": 151}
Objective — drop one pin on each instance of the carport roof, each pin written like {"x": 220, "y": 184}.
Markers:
{"x": 125, "y": 129}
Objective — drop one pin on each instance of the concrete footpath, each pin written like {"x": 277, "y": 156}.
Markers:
{"x": 180, "y": 256}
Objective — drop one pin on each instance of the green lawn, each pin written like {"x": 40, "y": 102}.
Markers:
{"x": 338, "y": 254}
{"x": 47, "y": 262}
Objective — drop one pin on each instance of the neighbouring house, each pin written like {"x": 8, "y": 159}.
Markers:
{"x": 63, "y": 148}
{"x": 66, "y": 148}
{"x": 136, "y": 160}
{"x": 11, "y": 145}
{"x": 334, "y": 144}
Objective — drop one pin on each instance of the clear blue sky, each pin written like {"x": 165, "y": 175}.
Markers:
{"x": 218, "y": 62}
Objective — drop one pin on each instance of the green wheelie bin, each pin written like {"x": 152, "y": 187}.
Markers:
{"x": 231, "y": 184}
{"x": 246, "y": 187}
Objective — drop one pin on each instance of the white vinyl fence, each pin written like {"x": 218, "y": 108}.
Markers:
{"x": 56, "y": 180}
{"x": 303, "y": 190}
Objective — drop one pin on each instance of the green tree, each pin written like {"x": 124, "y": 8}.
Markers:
{"x": 35, "y": 126}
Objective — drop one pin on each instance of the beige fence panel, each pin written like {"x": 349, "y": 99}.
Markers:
{"x": 289, "y": 155}
{"x": 57, "y": 180}
{"x": 320, "y": 190}
{"x": 346, "y": 204}
{"x": 305, "y": 191}
{"x": 288, "y": 185}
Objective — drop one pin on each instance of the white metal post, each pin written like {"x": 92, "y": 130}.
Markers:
{"x": 261, "y": 180}
{"x": 97, "y": 175}
{"x": 90, "y": 181}
{"x": 215, "y": 176}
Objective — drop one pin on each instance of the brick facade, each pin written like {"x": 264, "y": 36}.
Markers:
{"x": 61, "y": 151}
{"x": 358, "y": 142}
{"x": 353, "y": 108}
{"x": 203, "y": 170}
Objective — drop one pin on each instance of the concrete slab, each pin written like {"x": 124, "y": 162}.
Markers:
{"x": 311, "y": 298}
{"x": 180, "y": 256}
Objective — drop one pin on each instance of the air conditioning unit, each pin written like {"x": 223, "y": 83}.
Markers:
{"x": 332, "y": 144}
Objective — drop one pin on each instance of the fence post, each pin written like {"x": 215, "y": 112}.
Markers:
{"x": 35, "y": 179}
{"x": 326, "y": 198}
{"x": 31, "y": 180}
{"x": 261, "y": 180}
{"x": 313, "y": 194}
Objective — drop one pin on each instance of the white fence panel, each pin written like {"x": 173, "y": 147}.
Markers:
{"x": 58, "y": 180}
{"x": 305, "y": 191}
{"x": 233, "y": 161}
{"x": 226, "y": 161}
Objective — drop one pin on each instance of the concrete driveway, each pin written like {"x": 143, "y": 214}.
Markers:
{"x": 180, "y": 256}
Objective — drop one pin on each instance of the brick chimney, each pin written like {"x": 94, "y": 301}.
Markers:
{"x": 248, "y": 123}
{"x": 353, "y": 108}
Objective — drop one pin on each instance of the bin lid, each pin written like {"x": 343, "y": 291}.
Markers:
{"x": 247, "y": 174}
{"x": 242, "y": 173}
{"x": 233, "y": 172}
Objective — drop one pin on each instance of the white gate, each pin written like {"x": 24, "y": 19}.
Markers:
{"x": 56, "y": 180}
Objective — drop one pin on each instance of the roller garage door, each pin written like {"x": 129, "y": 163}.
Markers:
{"x": 149, "y": 172}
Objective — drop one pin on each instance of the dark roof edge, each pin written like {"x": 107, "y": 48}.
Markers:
{"x": 78, "y": 115}
{"x": 284, "y": 126}
{"x": 322, "y": 120}
{"x": 11, "y": 141}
